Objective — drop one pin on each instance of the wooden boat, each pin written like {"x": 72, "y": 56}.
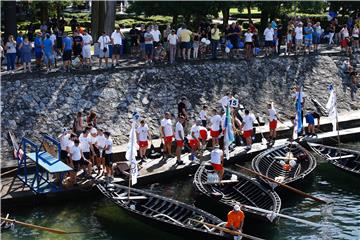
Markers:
{"x": 345, "y": 159}
{"x": 5, "y": 225}
{"x": 237, "y": 188}
{"x": 164, "y": 212}
{"x": 299, "y": 163}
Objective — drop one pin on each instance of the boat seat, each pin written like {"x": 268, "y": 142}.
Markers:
{"x": 131, "y": 198}
{"x": 341, "y": 157}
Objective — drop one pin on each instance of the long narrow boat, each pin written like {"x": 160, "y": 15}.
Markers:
{"x": 237, "y": 188}
{"x": 271, "y": 163}
{"x": 345, "y": 159}
{"x": 163, "y": 212}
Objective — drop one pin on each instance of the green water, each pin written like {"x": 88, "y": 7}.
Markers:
{"x": 100, "y": 219}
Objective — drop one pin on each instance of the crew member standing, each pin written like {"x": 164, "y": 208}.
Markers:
{"x": 272, "y": 122}
{"x": 235, "y": 220}
{"x": 179, "y": 137}
{"x": 167, "y": 134}
{"x": 215, "y": 121}
{"x": 247, "y": 127}
{"x": 143, "y": 135}
{"x": 217, "y": 160}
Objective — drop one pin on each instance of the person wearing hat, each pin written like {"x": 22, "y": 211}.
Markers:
{"x": 86, "y": 50}
{"x": 217, "y": 160}
{"x": 235, "y": 220}
{"x": 172, "y": 39}
{"x": 117, "y": 40}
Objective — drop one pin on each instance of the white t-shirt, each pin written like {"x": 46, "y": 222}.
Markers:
{"x": 85, "y": 143}
{"x": 116, "y": 37}
{"x": 196, "y": 130}
{"x": 272, "y": 114}
{"x": 345, "y": 32}
{"x": 216, "y": 155}
{"x": 203, "y": 115}
{"x": 75, "y": 153}
{"x": 248, "y": 37}
{"x": 168, "y": 130}
{"x": 143, "y": 132}
{"x": 64, "y": 141}
{"x": 178, "y": 31}
{"x": 87, "y": 39}
{"x": 215, "y": 122}
{"x": 223, "y": 118}
{"x": 104, "y": 41}
{"x": 92, "y": 139}
{"x": 301, "y": 94}
{"x": 172, "y": 38}
{"x": 248, "y": 122}
{"x": 269, "y": 34}
{"x": 53, "y": 38}
{"x": 224, "y": 101}
{"x": 108, "y": 143}
{"x": 156, "y": 35}
{"x": 100, "y": 141}
{"x": 179, "y": 128}
{"x": 298, "y": 33}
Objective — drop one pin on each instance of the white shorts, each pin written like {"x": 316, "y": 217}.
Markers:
{"x": 86, "y": 51}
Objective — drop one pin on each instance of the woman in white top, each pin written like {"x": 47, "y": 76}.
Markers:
{"x": 248, "y": 43}
{"x": 104, "y": 41}
{"x": 10, "y": 48}
{"x": 355, "y": 38}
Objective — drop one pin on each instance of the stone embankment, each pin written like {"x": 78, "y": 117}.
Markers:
{"x": 35, "y": 104}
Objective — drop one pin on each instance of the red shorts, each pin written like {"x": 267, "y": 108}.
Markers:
{"x": 194, "y": 144}
{"x": 247, "y": 133}
{"x": 179, "y": 143}
{"x": 203, "y": 134}
{"x": 273, "y": 124}
{"x": 214, "y": 134}
{"x": 344, "y": 43}
{"x": 217, "y": 167}
{"x": 168, "y": 139}
{"x": 143, "y": 144}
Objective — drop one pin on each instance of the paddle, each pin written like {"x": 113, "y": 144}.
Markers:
{"x": 306, "y": 195}
{"x": 232, "y": 232}
{"x": 52, "y": 230}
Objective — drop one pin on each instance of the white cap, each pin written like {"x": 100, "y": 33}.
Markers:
{"x": 237, "y": 207}
{"x": 93, "y": 131}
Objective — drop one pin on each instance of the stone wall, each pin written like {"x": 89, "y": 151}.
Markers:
{"x": 37, "y": 103}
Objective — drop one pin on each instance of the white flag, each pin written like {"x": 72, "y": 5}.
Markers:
{"x": 131, "y": 154}
{"x": 331, "y": 107}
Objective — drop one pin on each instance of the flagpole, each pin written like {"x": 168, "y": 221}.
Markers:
{"x": 131, "y": 154}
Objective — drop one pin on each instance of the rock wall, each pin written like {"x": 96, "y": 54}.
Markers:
{"x": 37, "y": 103}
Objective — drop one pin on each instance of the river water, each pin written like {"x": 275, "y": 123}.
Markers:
{"x": 101, "y": 219}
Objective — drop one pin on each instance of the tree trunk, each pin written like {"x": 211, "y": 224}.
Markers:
{"x": 226, "y": 15}
{"x": 44, "y": 10}
{"x": 110, "y": 11}
{"x": 175, "y": 19}
{"x": 10, "y": 18}
{"x": 187, "y": 18}
{"x": 264, "y": 19}
{"x": 58, "y": 11}
{"x": 249, "y": 11}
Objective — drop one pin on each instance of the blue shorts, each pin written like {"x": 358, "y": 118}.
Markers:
{"x": 49, "y": 57}
{"x": 148, "y": 49}
{"x": 38, "y": 54}
{"x": 308, "y": 42}
{"x": 186, "y": 45}
{"x": 142, "y": 46}
{"x": 310, "y": 119}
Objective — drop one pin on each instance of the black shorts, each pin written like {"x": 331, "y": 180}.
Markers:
{"x": 355, "y": 38}
{"x": 77, "y": 50}
{"x": 83, "y": 162}
{"x": 87, "y": 155}
{"x": 77, "y": 165}
{"x": 64, "y": 155}
{"x": 116, "y": 49}
{"x": 156, "y": 44}
{"x": 268, "y": 43}
{"x": 134, "y": 42}
{"x": 108, "y": 160}
{"x": 204, "y": 123}
{"x": 186, "y": 45}
{"x": 67, "y": 55}
{"x": 249, "y": 43}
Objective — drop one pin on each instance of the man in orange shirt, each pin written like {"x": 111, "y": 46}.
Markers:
{"x": 235, "y": 220}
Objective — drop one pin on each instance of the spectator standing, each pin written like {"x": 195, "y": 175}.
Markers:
{"x": 19, "y": 41}
{"x": 54, "y": 43}
{"x": 331, "y": 33}
{"x": 172, "y": 39}
{"x": 344, "y": 38}
{"x": 248, "y": 43}
{"x": 179, "y": 46}
{"x": 317, "y": 36}
{"x": 38, "y": 49}
{"x": 104, "y": 42}
{"x": 91, "y": 119}
{"x": 25, "y": 49}
{"x": 234, "y": 36}
{"x": 156, "y": 35}
{"x": 196, "y": 44}
{"x": 308, "y": 31}
{"x": 149, "y": 45}
{"x": 43, "y": 28}
{"x": 30, "y": 32}
{"x": 134, "y": 40}
{"x": 86, "y": 50}
{"x": 117, "y": 41}
{"x": 215, "y": 38}
{"x": 269, "y": 37}
{"x": 67, "y": 49}
{"x": 355, "y": 38}
{"x": 298, "y": 37}
{"x": 78, "y": 44}
{"x": 142, "y": 41}
{"x": 10, "y": 53}
{"x": 280, "y": 36}
{"x": 185, "y": 36}
{"x": 165, "y": 35}
{"x": 48, "y": 52}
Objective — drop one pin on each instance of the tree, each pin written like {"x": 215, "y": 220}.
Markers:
{"x": 10, "y": 18}
{"x": 102, "y": 17}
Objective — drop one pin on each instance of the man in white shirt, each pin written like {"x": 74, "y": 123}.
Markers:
{"x": 179, "y": 137}
{"x": 272, "y": 122}
{"x": 116, "y": 39}
{"x": 167, "y": 133}
{"x": 298, "y": 37}
{"x": 99, "y": 149}
{"x": 143, "y": 135}
{"x": 203, "y": 116}
{"x": 194, "y": 141}
{"x": 104, "y": 42}
{"x": 156, "y": 35}
{"x": 86, "y": 50}
{"x": 269, "y": 37}
{"x": 247, "y": 127}
{"x": 64, "y": 142}
{"x": 108, "y": 155}
{"x": 248, "y": 43}
{"x": 86, "y": 145}
{"x": 173, "y": 39}
{"x": 217, "y": 160}
{"x": 215, "y": 122}
{"x": 225, "y": 100}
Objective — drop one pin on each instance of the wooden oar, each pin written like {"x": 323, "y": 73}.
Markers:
{"x": 232, "y": 232}
{"x": 52, "y": 230}
{"x": 306, "y": 195}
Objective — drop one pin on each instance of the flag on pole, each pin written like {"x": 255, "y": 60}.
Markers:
{"x": 228, "y": 134}
{"x": 298, "y": 117}
{"x": 131, "y": 154}
{"x": 331, "y": 106}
